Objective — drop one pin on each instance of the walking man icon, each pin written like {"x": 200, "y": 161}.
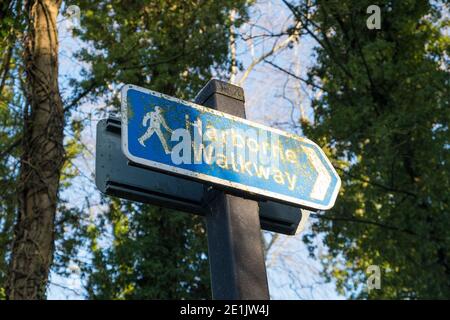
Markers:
{"x": 156, "y": 120}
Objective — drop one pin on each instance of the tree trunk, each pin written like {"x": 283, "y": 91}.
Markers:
{"x": 42, "y": 159}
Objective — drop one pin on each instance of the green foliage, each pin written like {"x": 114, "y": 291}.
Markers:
{"x": 383, "y": 117}
{"x": 11, "y": 103}
{"x": 171, "y": 46}
{"x": 154, "y": 254}
{"x": 8, "y": 171}
{"x": 140, "y": 251}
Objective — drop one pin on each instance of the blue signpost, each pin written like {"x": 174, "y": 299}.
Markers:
{"x": 183, "y": 138}
{"x": 239, "y": 163}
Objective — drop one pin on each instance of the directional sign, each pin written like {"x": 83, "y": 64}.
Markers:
{"x": 182, "y": 138}
{"x": 116, "y": 176}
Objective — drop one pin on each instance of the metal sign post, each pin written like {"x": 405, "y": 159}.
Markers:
{"x": 235, "y": 249}
{"x": 206, "y": 158}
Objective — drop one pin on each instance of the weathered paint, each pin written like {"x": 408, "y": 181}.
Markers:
{"x": 316, "y": 184}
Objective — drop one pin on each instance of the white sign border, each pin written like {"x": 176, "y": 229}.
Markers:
{"x": 208, "y": 178}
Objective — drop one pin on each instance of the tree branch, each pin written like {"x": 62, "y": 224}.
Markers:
{"x": 275, "y": 48}
{"x": 9, "y": 149}
{"x": 312, "y": 84}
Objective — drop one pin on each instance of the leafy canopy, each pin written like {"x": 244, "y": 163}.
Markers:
{"x": 383, "y": 115}
{"x": 141, "y": 251}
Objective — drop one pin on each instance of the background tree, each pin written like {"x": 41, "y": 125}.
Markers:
{"x": 169, "y": 46}
{"x": 10, "y": 133}
{"x": 172, "y": 47}
{"x": 14, "y": 104}
{"x": 42, "y": 153}
{"x": 380, "y": 106}
{"x": 382, "y": 113}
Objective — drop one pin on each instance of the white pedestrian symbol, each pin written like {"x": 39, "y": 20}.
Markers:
{"x": 156, "y": 120}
